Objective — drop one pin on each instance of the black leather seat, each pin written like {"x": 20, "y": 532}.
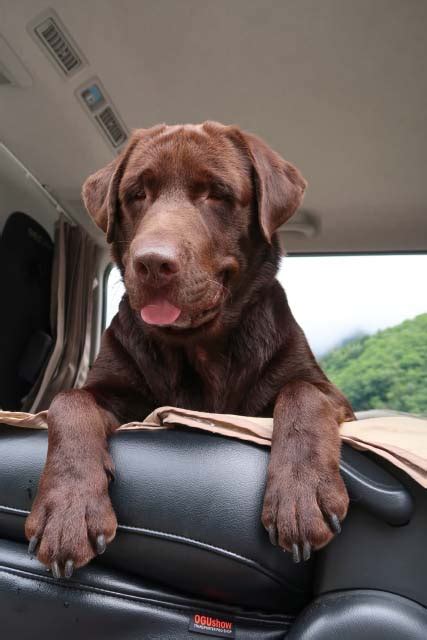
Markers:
{"x": 26, "y": 253}
{"x": 190, "y": 543}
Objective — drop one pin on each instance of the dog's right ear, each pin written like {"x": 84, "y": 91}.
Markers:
{"x": 100, "y": 191}
{"x": 100, "y": 194}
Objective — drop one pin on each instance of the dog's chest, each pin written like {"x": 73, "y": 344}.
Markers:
{"x": 214, "y": 382}
{"x": 233, "y": 376}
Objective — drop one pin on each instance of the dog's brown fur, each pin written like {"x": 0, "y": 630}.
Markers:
{"x": 212, "y": 197}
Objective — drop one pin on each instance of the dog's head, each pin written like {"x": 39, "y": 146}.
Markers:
{"x": 191, "y": 212}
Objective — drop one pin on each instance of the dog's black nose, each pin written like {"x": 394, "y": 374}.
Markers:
{"x": 158, "y": 264}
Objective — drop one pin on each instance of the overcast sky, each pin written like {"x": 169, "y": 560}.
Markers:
{"x": 333, "y": 298}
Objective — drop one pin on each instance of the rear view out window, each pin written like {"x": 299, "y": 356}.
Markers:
{"x": 365, "y": 318}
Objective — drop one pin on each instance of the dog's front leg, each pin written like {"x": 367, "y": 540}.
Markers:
{"x": 305, "y": 499}
{"x": 72, "y": 518}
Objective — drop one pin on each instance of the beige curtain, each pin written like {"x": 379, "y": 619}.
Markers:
{"x": 73, "y": 279}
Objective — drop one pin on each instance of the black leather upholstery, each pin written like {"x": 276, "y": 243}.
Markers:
{"x": 26, "y": 253}
{"x": 101, "y": 604}
{"x": 188, "y": 507}
{"x": 371, "y": 554}
{"x": 375, "y": 488}
{"x": 190, "y": 540}
{"x": 361, "y": 615}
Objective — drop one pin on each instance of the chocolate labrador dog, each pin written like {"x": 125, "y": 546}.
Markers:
{"x": 191, "y": 213}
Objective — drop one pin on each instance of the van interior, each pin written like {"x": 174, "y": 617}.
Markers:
{"x": 340, "y": 90}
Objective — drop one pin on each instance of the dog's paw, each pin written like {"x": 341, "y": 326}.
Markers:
{"x": 69, "y": 524}
{"x": 302, "y": 515}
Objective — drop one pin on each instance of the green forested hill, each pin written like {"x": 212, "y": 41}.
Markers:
{"x": 387, "y": 370}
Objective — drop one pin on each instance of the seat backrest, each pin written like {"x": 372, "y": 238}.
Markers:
{"x": 26, "y": 253}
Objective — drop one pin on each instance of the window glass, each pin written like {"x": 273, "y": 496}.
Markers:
{"x": 114, "y": 292}
{"x": 365, "y": 318}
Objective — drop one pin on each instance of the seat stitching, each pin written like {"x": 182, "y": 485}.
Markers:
{"x": 27, "y": 575}
{"x": 192, "y": 541}
{"x": 205, "y": 545}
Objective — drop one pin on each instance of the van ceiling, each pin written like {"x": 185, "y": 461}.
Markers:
{"x": 339, "y": 87}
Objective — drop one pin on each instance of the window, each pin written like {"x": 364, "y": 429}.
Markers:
{"x": 114, "y": 293}
{"x": 365, "y": 317}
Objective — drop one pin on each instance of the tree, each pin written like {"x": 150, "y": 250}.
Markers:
{"x": 387, "y": 370}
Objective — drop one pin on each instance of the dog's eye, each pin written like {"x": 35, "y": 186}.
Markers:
{"x": 215, "y": 196}
{"x": 220, "y": 193}
{"x": 140, "y": 195}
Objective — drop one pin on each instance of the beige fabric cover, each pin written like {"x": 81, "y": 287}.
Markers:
{"x": 400, "y": 439}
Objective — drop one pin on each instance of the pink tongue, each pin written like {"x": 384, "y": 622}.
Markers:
{"x": 162, "y": 312}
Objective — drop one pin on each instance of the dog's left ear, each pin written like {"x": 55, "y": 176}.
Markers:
{"x": 279, "y": 186}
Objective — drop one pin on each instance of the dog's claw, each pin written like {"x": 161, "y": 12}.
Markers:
{"x": 335, "y": 523}
{"x": 69, "y": 567}
{"x": 55, "y": 570}
{"x": 272, "y": 534}
{"x": 101, "y": 545}
{"x": 296, "y": 555}
{"x": 33, "y": 545}
{"x": 306, "y": 552}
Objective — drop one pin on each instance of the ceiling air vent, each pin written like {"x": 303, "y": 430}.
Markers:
{"x": 111, "y": 126}
{"x": 57, "y": 43}
{"x": 99, "y": 106}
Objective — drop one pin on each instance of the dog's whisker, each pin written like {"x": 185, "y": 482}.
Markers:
{"x": 220, "y": 285}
